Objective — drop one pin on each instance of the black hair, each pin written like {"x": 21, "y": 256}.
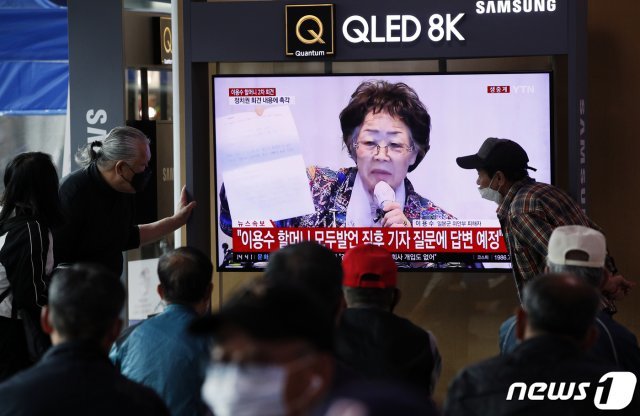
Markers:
{"x": 273, "y": 311}
{"x": 84, "y": 301}
{"x": 370, "y": 297}
{"x": 399, "y": 100}
{"x": 312, "y": 266}
{"x": 185, "y": 275}
{"x": 31, "y": 189}
{"x": 561, "y": 304}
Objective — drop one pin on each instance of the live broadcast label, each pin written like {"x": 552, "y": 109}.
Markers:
{"x": 477, "y": 241}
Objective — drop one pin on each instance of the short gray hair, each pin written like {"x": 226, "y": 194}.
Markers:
{"x": 591, "y": 275}
{"x": 120, "y": 144}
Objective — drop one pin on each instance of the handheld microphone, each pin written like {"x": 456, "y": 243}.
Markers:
{"x": 382, "y": 193}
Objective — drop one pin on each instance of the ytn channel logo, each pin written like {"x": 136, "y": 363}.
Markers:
{"x": 614, "y": 391}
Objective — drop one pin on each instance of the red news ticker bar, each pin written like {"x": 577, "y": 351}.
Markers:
{"x": 252, "y": 92}
{"x": 396, "y": 240}
{"x": 498, "y": 89}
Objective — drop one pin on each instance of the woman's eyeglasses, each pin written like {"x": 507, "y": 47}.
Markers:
{"x": 373, "y": 148}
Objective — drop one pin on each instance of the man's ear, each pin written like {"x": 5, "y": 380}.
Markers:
{"x": 521, "y": 323}
{"x": 45, "y": 320}
{"x": 160, "y": 290}
{"x": 120, "y": 167}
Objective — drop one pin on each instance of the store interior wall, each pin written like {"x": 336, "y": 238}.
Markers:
{"x": 613, "y": 178}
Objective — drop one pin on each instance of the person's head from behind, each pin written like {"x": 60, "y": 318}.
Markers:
{"x": 185, "y": 278}
{"x": 123, "y": 158}
{"x": 370, "y": 278}
{"x": 312, "y": 266}
{"x": 272, "y": 351}
{"x": 386, "y": 129}
{"x": 31, "y": 189}
{"x": 578, "y": 250}
{"x": 561, "y": 305}
{"x": 500, "y": 163}
{"x": 85, "y": 301}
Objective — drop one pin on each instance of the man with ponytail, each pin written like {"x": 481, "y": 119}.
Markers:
{"x": 98, "y": 202}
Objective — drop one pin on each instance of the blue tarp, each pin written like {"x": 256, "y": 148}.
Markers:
{"x": 34, "y": 57}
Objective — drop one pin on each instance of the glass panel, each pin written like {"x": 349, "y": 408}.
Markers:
{"x": 159, "y": 90}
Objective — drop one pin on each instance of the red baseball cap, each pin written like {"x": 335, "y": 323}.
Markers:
{"x": 374, "y": 263}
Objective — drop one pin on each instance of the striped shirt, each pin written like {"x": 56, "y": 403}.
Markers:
{"x": 528, "y": 214}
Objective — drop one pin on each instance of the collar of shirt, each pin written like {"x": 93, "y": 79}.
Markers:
{"x": 503, "y": 208}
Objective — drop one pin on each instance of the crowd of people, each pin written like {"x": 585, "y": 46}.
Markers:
{"x": 315, "y": 334}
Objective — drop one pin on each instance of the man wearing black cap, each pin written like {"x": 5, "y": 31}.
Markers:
{"x": 528, "y": 210}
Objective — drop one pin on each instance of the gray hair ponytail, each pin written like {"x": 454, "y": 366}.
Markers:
{"x": 120, "y": 144}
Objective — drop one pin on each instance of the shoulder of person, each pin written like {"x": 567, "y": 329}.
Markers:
{"x": 75, "y": 182}
{"x": 322, "y": 174}
{"x": 21, "y": 227}
{"x": 420, "y": 207}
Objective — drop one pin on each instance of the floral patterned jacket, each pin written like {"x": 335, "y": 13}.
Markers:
{"x": 331, "y": 192}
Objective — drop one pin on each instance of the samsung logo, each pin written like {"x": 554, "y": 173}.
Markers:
{"x": 515, "y": 6}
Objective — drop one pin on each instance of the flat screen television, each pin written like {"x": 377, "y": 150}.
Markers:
{"x": 284, "y": 174}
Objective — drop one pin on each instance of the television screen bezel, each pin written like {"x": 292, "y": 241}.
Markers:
{"x": 552, "y": 148}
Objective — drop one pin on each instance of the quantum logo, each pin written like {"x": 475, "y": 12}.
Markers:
{"x": 316, "y": 36}
{"x": 614, "y": 391}
{"x": 309, "y": 30}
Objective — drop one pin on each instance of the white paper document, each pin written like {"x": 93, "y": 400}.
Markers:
{"x": 262, "y": 166}
{"x": 142, "y": 284}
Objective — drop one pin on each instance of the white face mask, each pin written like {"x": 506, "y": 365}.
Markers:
{"x": 491, "y": 194}
{"x": 247, "y": 390}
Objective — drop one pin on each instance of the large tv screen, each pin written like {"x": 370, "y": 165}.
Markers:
{"x": 297, "y": 158}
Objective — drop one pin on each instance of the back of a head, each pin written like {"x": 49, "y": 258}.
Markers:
{"x": 578, "y": 250}
{"x": 84, "y": 301}
{"x": 185, "y": 275}
{"x": 121, "y": 143}
{"x": 369, "y": 277}
{"x": 273, "y": 311}
{"x": 31, "y": 188}
{"x": 312, "y": 266}
{"x": 561, "y": 304}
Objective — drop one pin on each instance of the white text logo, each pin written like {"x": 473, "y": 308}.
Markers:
{"x": 614, "y": 390}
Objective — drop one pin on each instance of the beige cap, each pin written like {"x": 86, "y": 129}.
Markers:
{"x": 568, "y": 238}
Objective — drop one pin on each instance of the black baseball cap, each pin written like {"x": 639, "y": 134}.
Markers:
{"x": 496, "y": 154}
{"x": 270, "y": 312}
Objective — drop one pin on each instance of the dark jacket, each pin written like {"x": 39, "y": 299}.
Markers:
{"x": 76, "y": 378}
{"x": 25, "y": 265}
{"x": 380, "y": 345}
{"x": 99, "y": 221}
{"x": 482, "y": 389}
{"x": 615, "y": 343}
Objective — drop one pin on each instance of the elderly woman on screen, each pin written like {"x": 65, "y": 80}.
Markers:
{"x": 385, "y": 128}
